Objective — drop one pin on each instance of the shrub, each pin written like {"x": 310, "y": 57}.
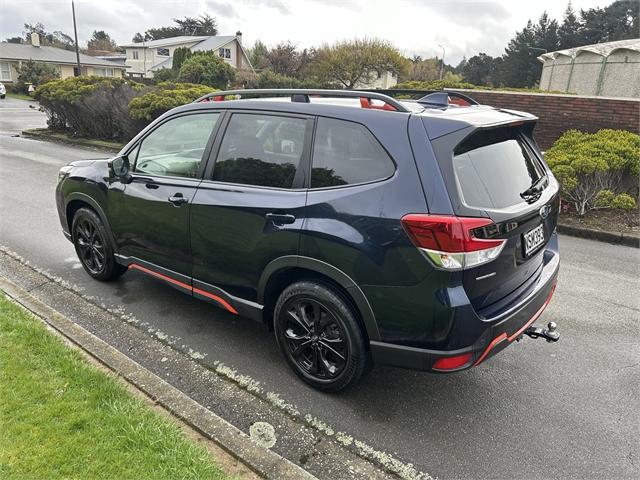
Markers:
{"x": 180, "y": 54}
{"x": 624, "y": 201}
{"x": 592, "y": 167}
{"x": 165, "y": 75}
{"x": 94, "y": 107}
{"x": 163, "y": 98}
{"x": 206, "y": 68}
{"x": 37, "y": 73}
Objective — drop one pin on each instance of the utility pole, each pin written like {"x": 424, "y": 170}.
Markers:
{"x": 442, "y": 67}
{"x": 75, "y": 34}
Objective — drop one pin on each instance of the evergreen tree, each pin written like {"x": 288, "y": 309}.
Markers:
{"x": 569, "y": 30}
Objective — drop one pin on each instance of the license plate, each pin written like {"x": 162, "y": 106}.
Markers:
{"x": 532, "y": 240}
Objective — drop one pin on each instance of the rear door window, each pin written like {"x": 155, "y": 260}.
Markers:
{"x": 494, "y": 167}
{"x": 262, "y": 150}
{"x": 345, "y": 153}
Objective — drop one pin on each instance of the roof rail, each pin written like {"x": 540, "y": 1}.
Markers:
{"x": 302, "y": 95}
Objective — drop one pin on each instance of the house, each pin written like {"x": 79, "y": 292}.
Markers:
{"x": 145, "y": 58}
{"x": 380, "y": 80}
{"x": 610, "y": 69}
{"x": 13, "y": 54}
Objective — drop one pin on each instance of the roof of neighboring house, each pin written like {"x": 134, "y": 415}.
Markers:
{"x": 603, "y": 49}
{"x": 18, "y": 51}
{"x": 162, "y": 42}
{"x": 168, "y": 63}
{"x": 213, "y": 43}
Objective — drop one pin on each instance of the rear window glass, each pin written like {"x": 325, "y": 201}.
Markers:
{"x": 493, "y": 167}
{"x": 345, "y": 153}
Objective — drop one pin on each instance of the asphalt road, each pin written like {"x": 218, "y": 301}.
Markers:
{"x": 536, "y": 410}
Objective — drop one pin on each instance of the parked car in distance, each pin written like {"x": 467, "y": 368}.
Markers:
{"x": 3, "y": 90}
{"x": 359, "y": 228}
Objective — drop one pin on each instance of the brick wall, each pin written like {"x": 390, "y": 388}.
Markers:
{"x": 558, "y": 113}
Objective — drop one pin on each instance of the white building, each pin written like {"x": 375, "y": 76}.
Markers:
{"x": 145, "y": 58}
{"x": 609, "y": 69}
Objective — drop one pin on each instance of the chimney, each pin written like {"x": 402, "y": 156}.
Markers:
{"x": 35, "y": 39}
{"x": 239, "y": 50}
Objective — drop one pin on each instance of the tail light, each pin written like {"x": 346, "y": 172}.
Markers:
{"x": 449, "y": 241}
{"x": 452, "y": 363}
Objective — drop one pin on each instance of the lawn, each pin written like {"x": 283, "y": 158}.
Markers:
{"x": 21, "y": 96}
{"x": 61, "y": 417}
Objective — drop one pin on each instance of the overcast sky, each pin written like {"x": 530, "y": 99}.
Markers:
{"x": 463, "y": 27}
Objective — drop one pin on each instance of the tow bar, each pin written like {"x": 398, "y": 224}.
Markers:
{"x": 551, "y": 334}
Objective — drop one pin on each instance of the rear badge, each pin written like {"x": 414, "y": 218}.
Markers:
{"x": 544, "y": 211}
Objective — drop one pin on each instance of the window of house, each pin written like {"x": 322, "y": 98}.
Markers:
{"x": 163, "y": 52}
{"x": 135, "y": 54}
{"x": 262, "y": 150}
{"x": 346, "y": 153}
{"x": 5, "y": 71}
{"x": 227, "y": 53}
{"x": 221, "y": 52}
{"x": 176, "y": 147}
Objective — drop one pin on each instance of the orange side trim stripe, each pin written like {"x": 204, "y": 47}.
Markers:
{"x": 180, "y": 284}
{"x": 494, "y": 342}
{"x": 161, "y": 276}
{"x": 221, "y": 301}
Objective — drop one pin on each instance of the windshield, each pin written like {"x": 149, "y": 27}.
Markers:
{"x": 494, "y": 167}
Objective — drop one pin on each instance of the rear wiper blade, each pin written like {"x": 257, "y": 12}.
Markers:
{"x": 534, "y": 190}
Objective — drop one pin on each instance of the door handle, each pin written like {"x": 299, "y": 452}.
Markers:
{"x": 178, "y": 199}
{"x": 280, "y": 218}
{"x": 151, "y": 185}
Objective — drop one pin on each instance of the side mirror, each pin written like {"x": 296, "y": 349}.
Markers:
{"x": 120, "y": 168}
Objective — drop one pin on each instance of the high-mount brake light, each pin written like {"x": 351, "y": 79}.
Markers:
{"x": 449, "y": 241}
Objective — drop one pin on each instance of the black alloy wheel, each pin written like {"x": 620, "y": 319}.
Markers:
{"x": 319, "y": 335}
{"x": 90, "y": 246}
{"x": 93, "y": 247}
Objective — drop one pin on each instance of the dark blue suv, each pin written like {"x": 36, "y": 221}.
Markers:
{"x": 360, "y": 228}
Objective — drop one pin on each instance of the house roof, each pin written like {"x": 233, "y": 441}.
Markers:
{"x": 213, "y": 43}
{"x": 166, "y": 41}
{"x": 603, "y": 49}
{"x": 18, "y": 51}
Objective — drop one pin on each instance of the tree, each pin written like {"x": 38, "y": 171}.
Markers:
{"x": 14, "y": 40}
{"x": 617, "y": 21}
{"x": 36, "y": 73}
{"x": 206, "y": 68}
{"x": 102, "y": 42}
{"x": 422, "y": 70}
{"x": 180, "y": 54}
{"x": 569, "y": 29}
{"x": 480, "y": 69}
{"x": 200, "y": 26}
{"x": 259, "y": 56}
{"x": 54, "y": 39}
{"x": 357, "y": 61}
{"x": 284, "y": 59}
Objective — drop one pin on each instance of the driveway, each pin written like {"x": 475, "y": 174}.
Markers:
{"x": 537, "y": 410}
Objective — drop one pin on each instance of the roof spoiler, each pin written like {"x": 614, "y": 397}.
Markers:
{"x": 444, "y": 99}
{"x": 302, "y": 95}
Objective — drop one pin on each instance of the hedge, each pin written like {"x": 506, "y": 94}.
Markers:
{"x": 163, "y": 98}
{"x": 94, "y": 107}
{"x": 597, "y": 170}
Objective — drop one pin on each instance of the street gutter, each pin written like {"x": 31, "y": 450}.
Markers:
{"x": 617, "y": 238}
{"x": 47, "y": 135}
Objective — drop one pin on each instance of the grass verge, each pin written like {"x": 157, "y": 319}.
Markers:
{"x": 61, "y": 417}
{"x": 51, "y": 135}
{"x": 20, "y": 96}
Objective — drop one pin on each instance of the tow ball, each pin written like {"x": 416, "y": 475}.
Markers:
{"x": 551, "y": 334}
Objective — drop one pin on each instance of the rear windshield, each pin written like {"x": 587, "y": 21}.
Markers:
{"x": 494, "y": 167}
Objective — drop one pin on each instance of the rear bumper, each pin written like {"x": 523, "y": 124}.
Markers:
{"x": 499, "y": 332}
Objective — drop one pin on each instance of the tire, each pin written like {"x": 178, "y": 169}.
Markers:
{"x": 319, "y": 336}
{"x": 93, "y": 247}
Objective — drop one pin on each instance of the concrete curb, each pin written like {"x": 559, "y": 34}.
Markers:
{"x": 263, "y": 461}
{"x": 42, "y": 134}
{"x": 609, "y": 237}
